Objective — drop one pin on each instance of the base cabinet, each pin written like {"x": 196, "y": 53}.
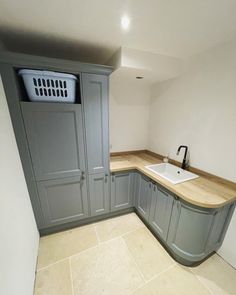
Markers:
{"x": 99, "y": 194}
{"x": 160, "y": 211}
{"x": 196, "y": 232}
{"x": 122, "y": 188}
{"x": 190, "y": 233}
{"x": 143, "y": 195}
{"x": 63, "y": 200}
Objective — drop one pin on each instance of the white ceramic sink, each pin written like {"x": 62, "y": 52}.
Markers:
{"x": 171, "y": 172}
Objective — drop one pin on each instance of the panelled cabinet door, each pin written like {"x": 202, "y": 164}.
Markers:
{"x": 143, "y": 202}
{"x": 221, "y": 222}
{"x": 189, "y": 230}
{"x": 55, "y": 137}
{"x": 95, "y": 102}
{"x": 160, "y": 212}
{"x": 63, "y": 200}
{"x": 122, "y": 185}
{"x": 99, "y": 194}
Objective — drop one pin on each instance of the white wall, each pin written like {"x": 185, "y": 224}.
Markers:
{"x": 199, "y": 110}
{"x": 129, "y": 112}
{"x": 18, "y": 231}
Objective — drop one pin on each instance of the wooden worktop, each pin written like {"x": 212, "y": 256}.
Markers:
{"x": 203, "y": 191}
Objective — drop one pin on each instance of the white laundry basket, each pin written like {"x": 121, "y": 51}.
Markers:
{"x": 49, "y": 86}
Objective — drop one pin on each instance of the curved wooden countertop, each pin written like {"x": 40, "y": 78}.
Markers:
{"x": 202, "y": 191}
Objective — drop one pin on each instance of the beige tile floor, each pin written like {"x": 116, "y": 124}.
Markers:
{"x": 120, "y": 256}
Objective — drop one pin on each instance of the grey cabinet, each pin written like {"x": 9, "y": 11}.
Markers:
{"x": 143, "y": 197}
{"x": 122, "y": 185}
{"x": 195, "y": 232}
{"x": 63, "y": 200}
{"x": 51, "y": 137}
{"x": 160, "y": 212}
{"x": 189, "y": 230}
{"x": 95, "y": 103}
{"x": 95, "y": 106}
{"x": 55, "y": 138}
{"x": 99, "y": 194}
{"x": 222, "y": 219}
{"x": 190, "y": 233}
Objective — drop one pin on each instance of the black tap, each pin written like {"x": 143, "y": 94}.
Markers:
{"x": 184, "y": 163}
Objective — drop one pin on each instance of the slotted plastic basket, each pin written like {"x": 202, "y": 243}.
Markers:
{"x": 49, "y": 86}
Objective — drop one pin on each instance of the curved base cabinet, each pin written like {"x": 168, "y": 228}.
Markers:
{"x": 188, "y": 232}
{"x": 194, "y": 233}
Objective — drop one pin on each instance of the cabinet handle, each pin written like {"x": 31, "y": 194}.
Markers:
{"x": 178, "y": 205}
{"x": 106, "y": 175}
{"x": 82, "y": 175}
{"x": 154, "y": 187}
{"x": 150, "y": 184}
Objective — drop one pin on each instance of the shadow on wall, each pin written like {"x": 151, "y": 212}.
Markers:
{"x": 158, "y": 89}
{"x": 129, "y": 92}
{"x": 52, "y": 46}
{"x": 2, "y": 47}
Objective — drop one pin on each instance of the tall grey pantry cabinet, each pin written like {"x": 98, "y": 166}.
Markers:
{"x": 95, "y": 103}
{"x": 64, "y": 148}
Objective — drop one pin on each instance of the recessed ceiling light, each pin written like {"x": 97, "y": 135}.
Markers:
{"x": 139, "y": 77}
{"x": 125, "y": 21}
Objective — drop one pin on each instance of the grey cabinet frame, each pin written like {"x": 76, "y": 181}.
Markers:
{"x": 99, "y": 194}
{"x": 63, "y": 200}
{"x": 189, "y": 230}
{"x": 143, "y": 195}
{"x": 55, "y": 137}
{"x": 161, "y": 210}
{"x": 122, "y": 188}
{"x": 95, "y": 105}
{"x": 195, "y": 232}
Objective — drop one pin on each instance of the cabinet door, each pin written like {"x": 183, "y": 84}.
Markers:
{"x": 55, "y": 137}
{"x": 160, "y": 212}
{"x": 95, "y": 102}
{"x": 189, "y": 230}
{"x": 222, "y": 219}
{"x": 63, "y": 200}
{"x": 99, "y": 194}
{"x": 122, "y": 190}
{"x": 143, "y": 202}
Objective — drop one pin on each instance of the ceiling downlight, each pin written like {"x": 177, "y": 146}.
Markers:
{"x": 125, "y": 22}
